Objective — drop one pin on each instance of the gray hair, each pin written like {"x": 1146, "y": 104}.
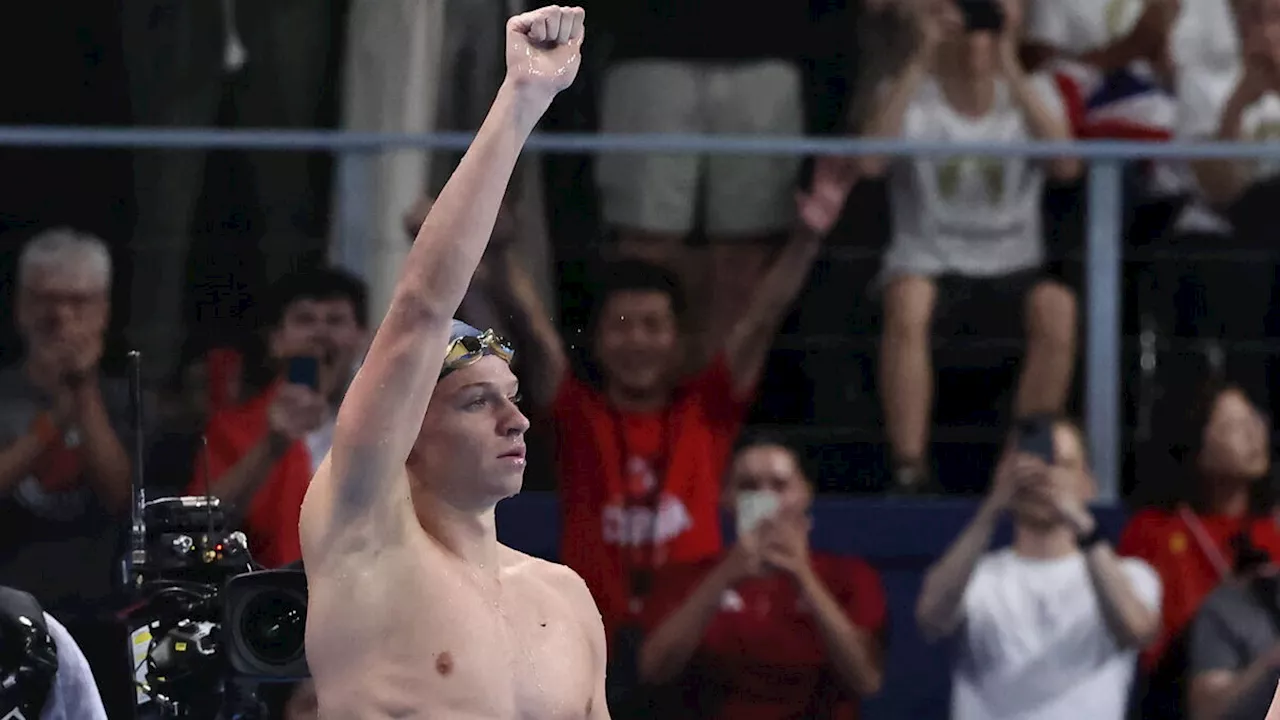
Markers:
{"x": 65, "y": 250}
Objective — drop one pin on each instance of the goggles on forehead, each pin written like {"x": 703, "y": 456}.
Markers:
{"x": 467, "y": 349}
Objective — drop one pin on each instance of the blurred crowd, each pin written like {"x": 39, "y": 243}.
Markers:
{"x": 645, "y": 294}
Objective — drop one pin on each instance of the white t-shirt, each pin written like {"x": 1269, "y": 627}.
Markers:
{"x": 1205, "y": 85}
{"x": 971, "y": 216}
{"x": 75, "y": 694}
{"x": 1081, "y": 26}
{"x": 1034, "y": 644}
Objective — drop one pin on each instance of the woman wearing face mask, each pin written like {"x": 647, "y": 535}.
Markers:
{"x": 1221, "y": 458}
{"x": 769, "y": 629}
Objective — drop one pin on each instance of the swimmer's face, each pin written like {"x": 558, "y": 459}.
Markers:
{"x": 472, "y": 438}
{"x": 637, "y": 341}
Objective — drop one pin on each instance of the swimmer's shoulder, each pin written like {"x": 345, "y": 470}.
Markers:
{"x": 559, "y": 578}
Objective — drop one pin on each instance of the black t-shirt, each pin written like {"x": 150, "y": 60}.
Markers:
{"x": 60, "y": 545}
{"x": 709, "y": 30}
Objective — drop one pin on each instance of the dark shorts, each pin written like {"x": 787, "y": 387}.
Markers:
{"x": 984, "y": 307}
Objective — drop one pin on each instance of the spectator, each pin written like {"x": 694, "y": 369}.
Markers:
{"x": 262, "y": 454}
{"x": 1235, "y": 642}
{"x": 768, "y": 629}
{"x": 1192, "y": 512}
{"x": 1228, "y": 92}
{"x": 1106, "y": 35}
{"x": 64, "y": 471}
{"x": 702, "y": 79}
{"x": 967, "y": 227}
{"x": 641, "y": 453}
{"x": 1051, "y": 626}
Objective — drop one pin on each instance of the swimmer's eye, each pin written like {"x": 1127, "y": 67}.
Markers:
{"x": 477, "y": 403}
{"x": 517, "y": 398}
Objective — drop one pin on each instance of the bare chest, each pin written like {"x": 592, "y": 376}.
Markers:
{"x": 434, "y": 645}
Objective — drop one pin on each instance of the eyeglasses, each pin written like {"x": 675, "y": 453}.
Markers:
{"x": 467, "y": 349}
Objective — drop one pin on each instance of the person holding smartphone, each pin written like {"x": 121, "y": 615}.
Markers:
{"x": 262, "y": 453}
{"x": 767, "y": 608}
{"x": 1051, "y": 626}
{"x": 968, "y": 240}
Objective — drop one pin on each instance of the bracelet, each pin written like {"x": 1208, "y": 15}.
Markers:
{"x": 45, "y": 429}
{"x": 1091, "y": 539}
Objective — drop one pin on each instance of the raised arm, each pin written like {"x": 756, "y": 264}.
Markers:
{"x": 544, "y": 362}
{"x": 382, "y": 412}
{"x": 934, "y": 20}
{"x": 939, "y": 609}
{"x": 749, "y": 341}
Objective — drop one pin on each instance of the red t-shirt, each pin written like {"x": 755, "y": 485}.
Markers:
{"x": 1187, "y": 563}
{"x": 612, "y": 464}
{"x": 762, "y": 657}
{"x": 272, "y": 520}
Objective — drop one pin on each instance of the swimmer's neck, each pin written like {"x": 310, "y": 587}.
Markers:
{"x": 467, "y": 534}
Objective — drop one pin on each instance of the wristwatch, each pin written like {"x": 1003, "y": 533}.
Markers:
{"x": 1088, "y": 540}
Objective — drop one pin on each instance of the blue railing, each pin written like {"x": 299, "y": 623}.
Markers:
{"x": 1105, "y": 207}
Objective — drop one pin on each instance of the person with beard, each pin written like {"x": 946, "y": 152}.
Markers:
{"x": 1051, "y": 626}
{"x": 262, "y": 453}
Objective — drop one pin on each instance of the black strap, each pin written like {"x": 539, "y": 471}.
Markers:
{"x": 28, "y": 658}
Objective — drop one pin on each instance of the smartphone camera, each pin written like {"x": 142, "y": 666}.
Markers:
{"x": 304, "y": 371}
{"x": 982, "y": 15}
{"x": 1035, "y": 437}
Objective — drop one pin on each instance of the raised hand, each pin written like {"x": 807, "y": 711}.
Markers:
{"x": 936, "y": 20}
{"x": 543, "y": 48}
{"x": 820, "y": 207}
{"x": 784, "y": 543}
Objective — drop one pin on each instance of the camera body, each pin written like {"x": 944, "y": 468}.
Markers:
{"x": 208, "y": 614}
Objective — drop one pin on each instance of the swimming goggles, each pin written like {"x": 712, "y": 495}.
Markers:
{"x": 466, "y": 349}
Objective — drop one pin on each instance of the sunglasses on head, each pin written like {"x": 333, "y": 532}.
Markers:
{"x": 467, "y": 349}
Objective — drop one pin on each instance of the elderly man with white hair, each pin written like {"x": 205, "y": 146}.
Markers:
{"x": 64, "y": 472}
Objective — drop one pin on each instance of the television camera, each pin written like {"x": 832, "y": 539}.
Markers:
{"x": 208, "y": 624}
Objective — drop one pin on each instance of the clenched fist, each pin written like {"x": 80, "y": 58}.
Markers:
{"x": 543, "y": 48}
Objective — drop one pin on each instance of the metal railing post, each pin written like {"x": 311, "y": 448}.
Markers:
{"x": 1103, "y": 315}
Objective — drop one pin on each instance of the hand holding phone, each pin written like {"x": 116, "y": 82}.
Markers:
{"x": 1035, "y": 437}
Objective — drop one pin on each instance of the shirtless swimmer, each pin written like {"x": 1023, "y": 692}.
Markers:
{"x": 416, "y": 610}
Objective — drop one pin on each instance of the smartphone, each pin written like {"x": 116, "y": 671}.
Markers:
{"x": 304, "y": 371}
{"x": 754, "y": 506}
{"x": 1035, "y": 437}
{"x": 982, "y": 15}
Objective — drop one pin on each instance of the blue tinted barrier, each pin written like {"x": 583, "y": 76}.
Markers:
{"x": 901, "y": 538}
{"x": 344, "y": 141}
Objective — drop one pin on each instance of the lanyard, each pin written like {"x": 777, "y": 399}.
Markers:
{"x": 640, "y": 559}
{"x": 1206, "y": 544}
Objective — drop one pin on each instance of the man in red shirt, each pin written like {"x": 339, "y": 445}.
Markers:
{"x": 769, "y": 629}
{"x": 641, "y": 451}
{"x": 262, "y": 453}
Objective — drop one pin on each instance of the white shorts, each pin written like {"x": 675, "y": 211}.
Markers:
{"x": 746, "y": 195}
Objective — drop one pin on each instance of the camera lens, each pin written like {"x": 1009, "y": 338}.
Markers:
{"x": 273, "y": 626}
